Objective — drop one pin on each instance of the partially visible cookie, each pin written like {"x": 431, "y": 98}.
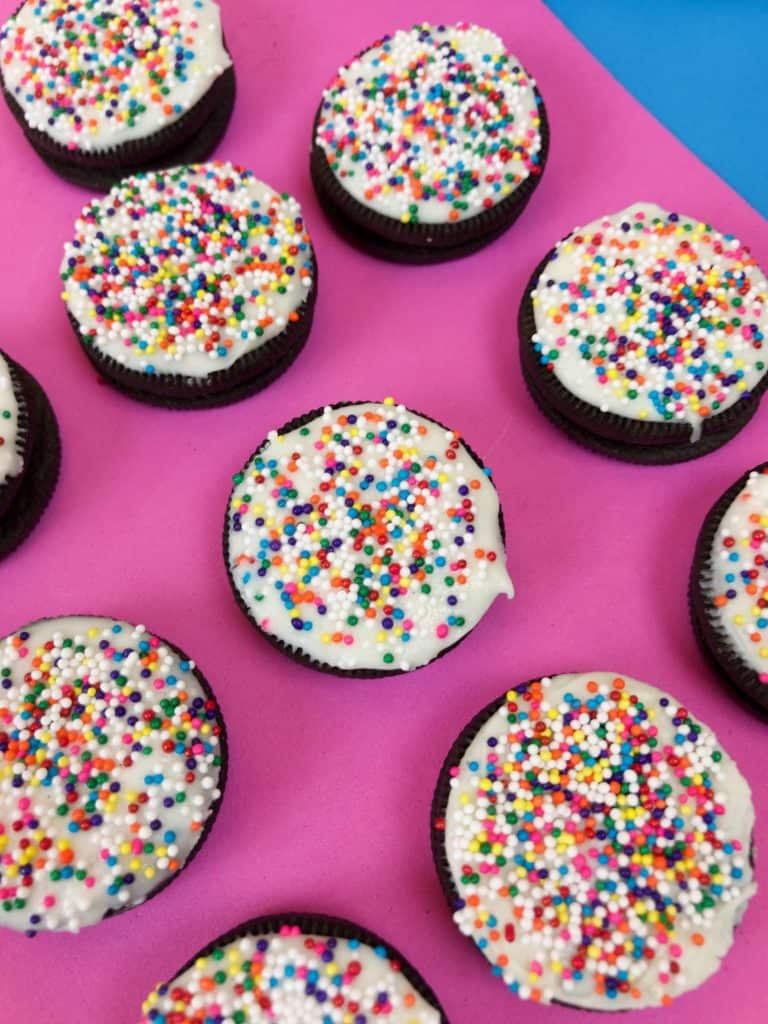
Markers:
{"x": 594, "y": 841}
{"x": 429, "y": 144}
{"x": 365, "y": 539}
{"x": 292, "y": 968}
{"x": 728, "y": 590}
{"x": 30, "y": 454}
{"x": 113, "y": 766}
{"x": 193, "y": 287}
{"x": 104, "y": 90}
{"x": 642, "y": 336}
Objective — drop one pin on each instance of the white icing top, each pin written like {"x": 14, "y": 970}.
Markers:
{"x": 298, "y": 978}
{"x": 11, "y": 447}
{"x": 93, "y": 74}
{"x": 432, "y": 124}
{"x": 739, "y": 581}
{"x": 110, "y": 766}
{"x": 368, "y": 538}
{"x": 186, "y": 271}
{"x": 599, "y": 840}
{"x": 653, "y": 316}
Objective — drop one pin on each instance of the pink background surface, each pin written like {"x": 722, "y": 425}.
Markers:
{"x": 330, "y": 780}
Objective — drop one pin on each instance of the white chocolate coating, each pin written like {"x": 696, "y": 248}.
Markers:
{"x": 133, "y": 67}
{"x": 111, "y": 767}
{"x": 11, "y": 462}
{"x": 432, "y": 124}
{"x": 739, "y": 582}
{"x": 366, "y": 552}
{"x": 203, "y": 265}
{"x": 335, "y": 980}
{"x": 599, "y": 839}
{"x": 653, "y": 316}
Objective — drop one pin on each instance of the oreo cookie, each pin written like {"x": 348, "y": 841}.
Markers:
{"x": 296, "y": 967}
{"x": 114, "y": 764}
{"x": 642, "y": 336}
{"x": 102, "y": 91}
{"x": 429, "y": 144}
{"x": 364, "y": 539}
{"x": 193, "y": 287}
{"x": 728, "y": 589}
{"x": 30, "y": 454}
{"x": 594, "y": 842}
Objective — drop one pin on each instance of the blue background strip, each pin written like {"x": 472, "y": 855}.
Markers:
{"x": 700, "y": 66}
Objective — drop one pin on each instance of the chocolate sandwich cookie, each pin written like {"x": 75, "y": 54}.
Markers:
{"x": 103, "y": 90}
{"x": 113, "y": 766}
{"x": 594, "y": 842}
{"x": 642, "y": 336}
{"x": 306, "y": 968}
{"x": 193, "y": 287}
{"x": 30, "y": 454}
{"x": 728, "y": 590}
{"x": 365, "y": 539}
{"x": 429, "y": 144}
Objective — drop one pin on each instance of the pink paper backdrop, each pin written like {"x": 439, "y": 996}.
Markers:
{"x": 330, "y": 784}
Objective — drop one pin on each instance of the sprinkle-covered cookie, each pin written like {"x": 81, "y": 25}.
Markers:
{"x": 113, "y": 765}
{"x": 305, "y": 968}
{"x": 729, "y": 585}
{"x": 594, "y": 842}
{"x": 429, "y": 144}
{"x": 191, "y": 287}
{"x": 643, "y": 336}
{"x": 107, "y": 88}
{"x": 365, "y": 539}
{"x": 30, "y": 454}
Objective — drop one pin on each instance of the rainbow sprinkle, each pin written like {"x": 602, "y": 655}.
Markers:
{"x": 599, "y": 842}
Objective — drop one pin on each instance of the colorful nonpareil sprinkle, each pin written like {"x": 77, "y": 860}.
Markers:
{"x": 367, "y": 537}
{"x": 186, "y": 271}
{"x": 112, "y": 755}
{"x": 740, "y": 574}
{"x": 653, "y": 316}
{"x": 598, "y": 840}
{"x": 289, "y": 976}
{"x": 433, "y": 124}
{"x": 11, "y": 442}
{"x": 93, "y": 74}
